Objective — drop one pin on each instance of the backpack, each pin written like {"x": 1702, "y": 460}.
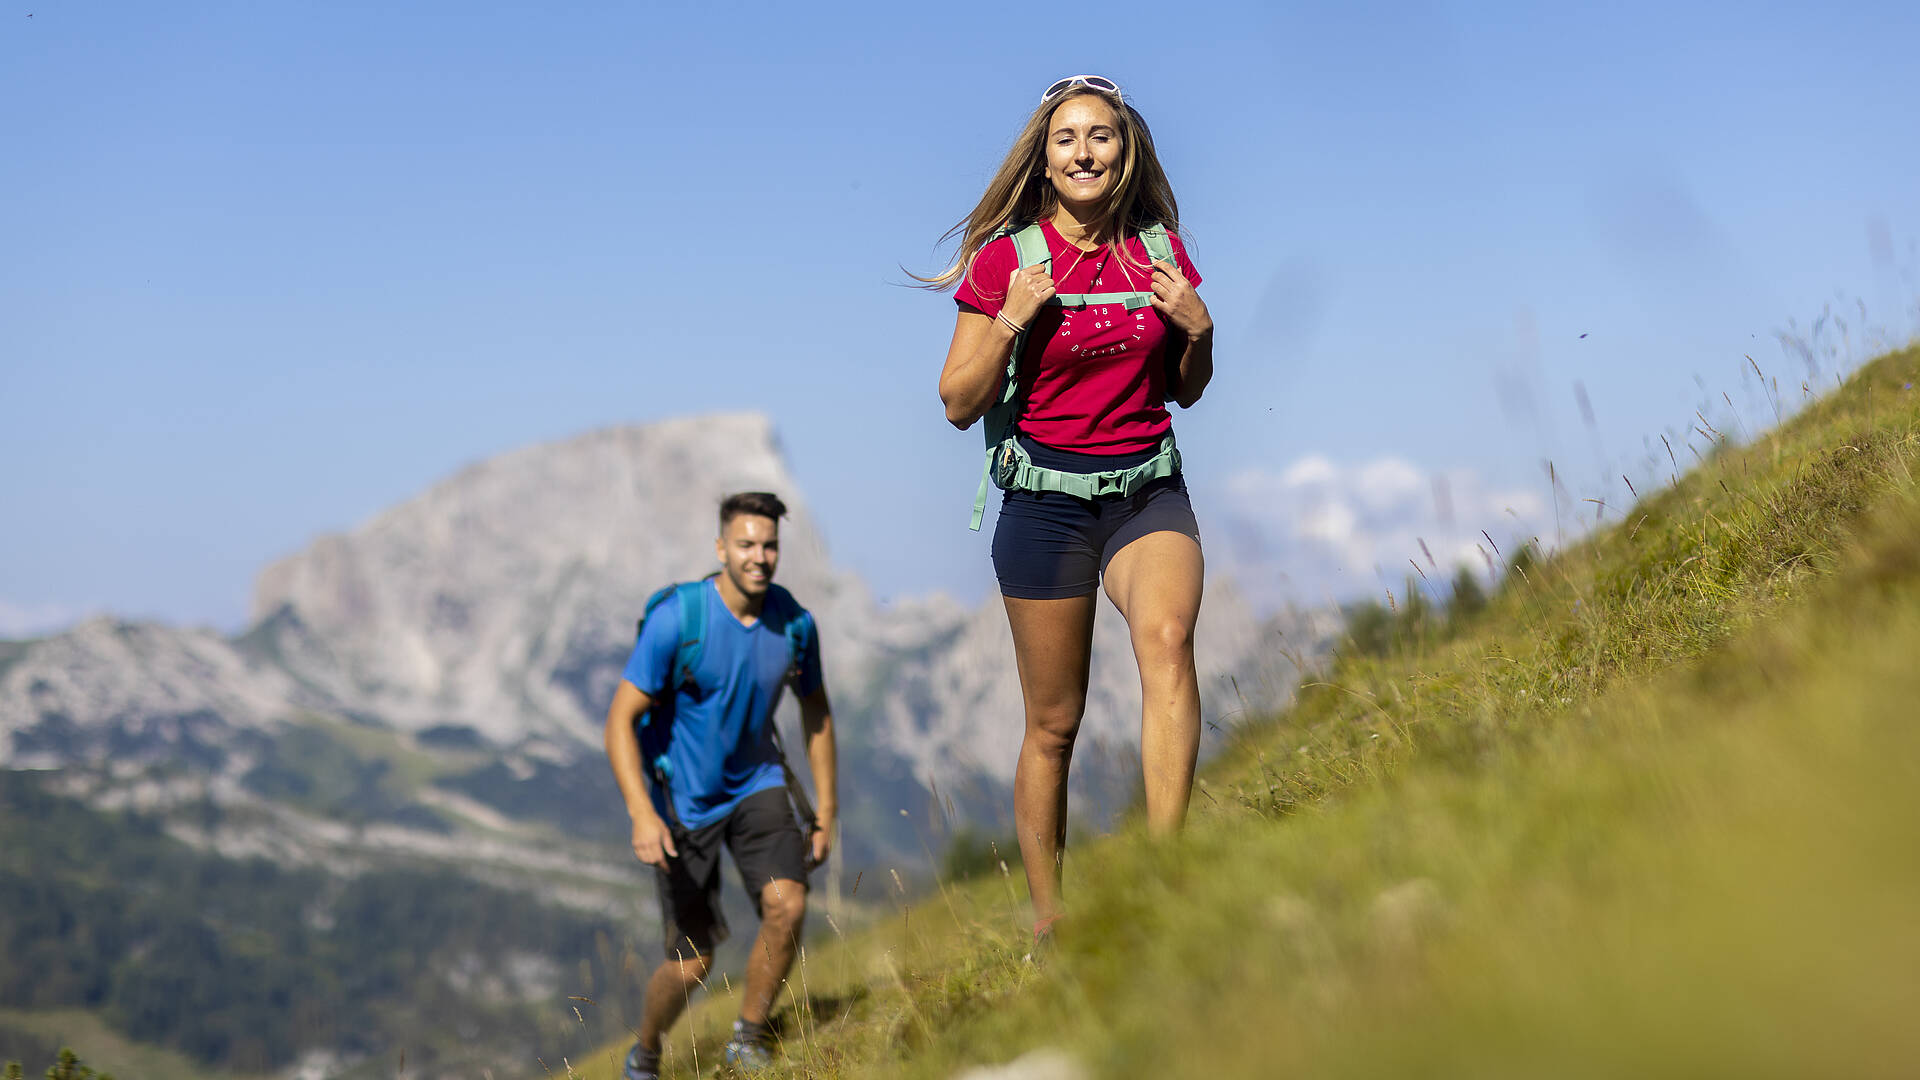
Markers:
{"x": 1008, "y": 467}
{"x": 686, "y": 661}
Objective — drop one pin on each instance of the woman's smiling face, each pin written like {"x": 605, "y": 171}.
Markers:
{"x": 1083, "y": 151}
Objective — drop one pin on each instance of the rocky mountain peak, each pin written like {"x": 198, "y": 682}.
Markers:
{"x": 458, "y": 605}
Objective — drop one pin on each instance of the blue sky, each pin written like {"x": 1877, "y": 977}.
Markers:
{"x": 272, "y": 267}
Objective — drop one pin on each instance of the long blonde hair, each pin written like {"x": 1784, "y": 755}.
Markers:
{"x": 1020, "y": 193}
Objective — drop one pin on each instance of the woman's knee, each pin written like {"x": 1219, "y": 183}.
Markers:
{"x": 1165, "y": 640}
{"x": 1053, "y": 726}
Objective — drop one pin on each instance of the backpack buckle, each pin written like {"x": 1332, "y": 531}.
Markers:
{"x": 1006, "y": 465}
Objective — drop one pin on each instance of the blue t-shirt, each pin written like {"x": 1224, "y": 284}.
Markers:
{"x": 719, "y": 731}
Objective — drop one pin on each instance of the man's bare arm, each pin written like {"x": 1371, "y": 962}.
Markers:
{"x": 816, "y": 722}
{"x": 652, "y": 840}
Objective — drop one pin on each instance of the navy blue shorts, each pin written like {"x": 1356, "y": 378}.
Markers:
{"x": 1048, "y": 546}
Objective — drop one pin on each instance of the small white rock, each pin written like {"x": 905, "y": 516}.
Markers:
{"x": 1045, "y": 1063}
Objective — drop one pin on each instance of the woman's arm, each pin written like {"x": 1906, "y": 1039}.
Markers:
{"x": 1195, "y": 369}
{"x": 976, "y": 362}
{"x": 977, "y": 357}
{"x": 1190, "y": 328}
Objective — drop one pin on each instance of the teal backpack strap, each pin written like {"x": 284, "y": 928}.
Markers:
{"x": 1030, "y": 246}
{"x": 1017, "y": 472}
{"x": 799, "y": 635}
{"x": 693, "y": 630}
{"x": 686, "y": 660}
{"x": 980, "y": 493}
{"x": 1133, "y": 301}
{"x": 1154, "y": 239}
{"x": 659, "y": 597}
{"x": 797, "y": 624}
{"x": 1159, "y": 247}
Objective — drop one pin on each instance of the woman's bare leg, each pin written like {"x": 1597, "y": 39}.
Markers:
{"x": 1155, "y": 581}
{"x": 1053, "y": 642}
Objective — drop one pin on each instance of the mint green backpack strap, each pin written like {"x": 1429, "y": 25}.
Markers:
{"x": 1021, "y": 474}
{"x": 1154, "y": 239}
{"x": 980, "y": 494}
{"x": 1030, "y": 246}
{"x": 1132, "y": 300}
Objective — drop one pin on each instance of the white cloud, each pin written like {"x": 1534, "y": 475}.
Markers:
{"x": 1330, "y": 523}
{"x": 1316, "y": 529}
{"x": 1308, "y": 471}
{"x": 1388, "y": 482}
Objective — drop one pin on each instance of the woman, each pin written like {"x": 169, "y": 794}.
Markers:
{"x": 1093, "y": 490}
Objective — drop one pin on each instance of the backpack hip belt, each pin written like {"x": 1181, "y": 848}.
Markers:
{"x": 1012, "y": 469}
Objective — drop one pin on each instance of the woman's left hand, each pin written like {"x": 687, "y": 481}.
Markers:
{"x": 1175, "y": 300}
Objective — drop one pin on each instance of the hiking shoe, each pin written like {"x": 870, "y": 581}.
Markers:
{"x": 635, "y": 1070}
{"x": 746, "y": 1057}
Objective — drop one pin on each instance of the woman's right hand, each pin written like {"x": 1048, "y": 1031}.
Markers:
{"x": 1028, "y": 290}
{"x": 976, "y": 364}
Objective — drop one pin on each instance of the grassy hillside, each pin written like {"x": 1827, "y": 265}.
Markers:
{"x": 109, "y": 924}
{"x": 35, "y": 1039}
{"x": 1654, "y": 810}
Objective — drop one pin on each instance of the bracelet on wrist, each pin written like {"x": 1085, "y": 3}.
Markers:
{"x": 1011, "y": 325}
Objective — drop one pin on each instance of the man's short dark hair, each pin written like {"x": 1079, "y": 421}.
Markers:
{"x": 760, "y": 503}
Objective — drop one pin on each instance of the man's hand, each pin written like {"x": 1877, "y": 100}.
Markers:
{"x": 821, "y": 845}
{"x": 653, "y": 841}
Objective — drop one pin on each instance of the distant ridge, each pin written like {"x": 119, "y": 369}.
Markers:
{"x": 501, "y": 600}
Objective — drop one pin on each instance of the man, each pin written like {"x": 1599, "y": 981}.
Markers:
{"x": 695, "y": 757}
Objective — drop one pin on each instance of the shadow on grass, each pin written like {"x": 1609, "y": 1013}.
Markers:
{"x": 819, "y": 1009}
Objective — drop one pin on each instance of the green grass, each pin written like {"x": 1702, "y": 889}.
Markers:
{"x": 1653, "y": 811}
{"x": 105, "y": 1050}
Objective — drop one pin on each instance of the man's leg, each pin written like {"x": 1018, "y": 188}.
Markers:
{"x": 668, "y": 992}
{"x": 783, "y": 907}
{"x": 772, "y": 857}
{"x": 692, "y": 924}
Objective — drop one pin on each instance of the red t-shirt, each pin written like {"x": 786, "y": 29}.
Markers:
{"x": 1093, "y": 376}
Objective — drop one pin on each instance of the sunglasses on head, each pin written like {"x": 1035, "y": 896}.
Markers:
{"x": 1097, "y": 82}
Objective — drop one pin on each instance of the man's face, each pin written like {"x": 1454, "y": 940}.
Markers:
{"x": 749, "y": 549}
